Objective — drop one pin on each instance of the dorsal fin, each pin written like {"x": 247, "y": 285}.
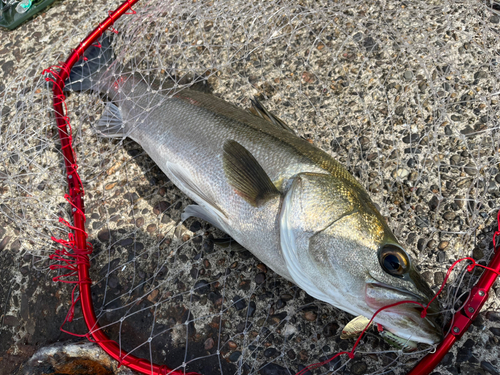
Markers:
{"x": 258, "y": 110}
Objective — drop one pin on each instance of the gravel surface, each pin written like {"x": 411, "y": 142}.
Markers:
{"x": 400, "y": 93}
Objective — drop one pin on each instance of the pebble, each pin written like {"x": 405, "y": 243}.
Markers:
{"x": 443, "y": 245}
{"x": 411, "y": 138}
{"x": 449, "y": 215}
{"x": 273, "y": 369}
{"x": 408, "y": 75}
{"x": 232, "y": 345}
{"x": 470, "y": 169}
{"x": 260, "y": 278}
{"x": 495, "y": 19}
{"x": 139, "y": 222}
{"x": 493, "y": 316}
{"x": 202, "y": 287}
{"x": 104, "y": 235}
{"x": 234, "y": 356}
{"x": 239, "y": 303}
{"x": 439, "y": 278}
{"x": 495, "y": 331}
{"x": 330, "y": 329}
{"x": 209, "y": 343}
{"x": 270, "y": 352}
{"x": 310, "y": 316}
{"x": 358, "y": 368}
{"x": 195, "y": 226}
{"x": 251, "y": 309}
{"x": 161, "y": 207}
{"x": 400, "y": 173}
{"x": 4, "y": 242}
{"x": 460, "y": 201}
{"x": 151, "y": 228}
{"x": 489, "y": 367}
{"x": 113, "y": 282}
{"x": 400, "y": 111}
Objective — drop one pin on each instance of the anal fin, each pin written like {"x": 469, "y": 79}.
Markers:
{"x": 111, "y": 125}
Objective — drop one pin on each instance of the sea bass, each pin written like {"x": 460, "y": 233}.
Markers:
{"x": 291, "y": 204}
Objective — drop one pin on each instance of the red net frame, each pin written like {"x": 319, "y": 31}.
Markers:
{"x": 75, "y": 252}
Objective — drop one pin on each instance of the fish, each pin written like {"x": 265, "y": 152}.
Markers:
{"x": 285, "y": 200}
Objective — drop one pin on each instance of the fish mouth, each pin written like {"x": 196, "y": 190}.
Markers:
{"x": 404, "y": 320}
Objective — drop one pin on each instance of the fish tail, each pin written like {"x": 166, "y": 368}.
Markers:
{"x": 88, "y": 70}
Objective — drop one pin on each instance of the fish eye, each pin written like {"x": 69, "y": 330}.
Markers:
{"x": 394, "y": 260}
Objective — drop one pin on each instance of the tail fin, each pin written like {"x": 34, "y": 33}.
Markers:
{"x": 87, "y": 71}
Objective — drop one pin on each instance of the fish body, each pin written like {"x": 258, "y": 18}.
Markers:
{"x": 291, "y": 204}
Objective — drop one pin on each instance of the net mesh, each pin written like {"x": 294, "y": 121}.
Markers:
{"x": 404, "y": 94}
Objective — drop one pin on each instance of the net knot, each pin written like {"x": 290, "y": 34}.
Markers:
{"x": 423, "y": 314}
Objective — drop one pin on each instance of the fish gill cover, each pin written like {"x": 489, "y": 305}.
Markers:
{"x": 404, "y": 94}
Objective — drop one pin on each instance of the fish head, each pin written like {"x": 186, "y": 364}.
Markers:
{"x": 339, "y": 249}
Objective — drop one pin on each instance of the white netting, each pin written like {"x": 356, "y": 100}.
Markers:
{"x": 404, "y": 94}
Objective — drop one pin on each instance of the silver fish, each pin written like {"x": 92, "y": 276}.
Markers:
{"x": 288, "y": 202}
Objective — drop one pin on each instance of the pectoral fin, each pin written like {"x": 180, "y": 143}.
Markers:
{"x": 246, "y": 175}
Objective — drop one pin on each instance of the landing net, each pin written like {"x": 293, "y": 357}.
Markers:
{"x": 405, "y": 95}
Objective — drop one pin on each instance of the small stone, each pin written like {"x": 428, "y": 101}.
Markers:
{"x": 480, "y": 75}
{"x": 495, "y": 19}
{"x": 251, "y": 309}
{"x": 449, "y": 215}
{"x": 439, "y": 278}
{"x": 468, "y": 131}
{"x": 4, "y": 242}
{"x": 464, "y": 354}
{"x": 113, "y": 282}
{"x": 495, "y": 331}
{"x": 260, "y": 278}
{"x": 408, "y": 75}
{"x": 270, "y": 352}
{"x": 151, "y": 228}
{"x": 209, "y": 343}
{"x": 262, "y": 267}
{"x": 365, "y": 143}
{"x": 24, "y": 270}
{"x": 273, "y": 369}
{"x": 139, "y": 222}
{"x": 330, "y": 329}
{"x": 11, "y": 320}
{"x": 161, "y": 207}
{"x": 291, "y": 354}
{"x": 232, "y": 345}
{"x": 443, "y": 245}
{"x": 195, "y": 226}
{"x": 16, "y": 245}
{"x": 489, "y": 367}
{"x": 104, "y": 235}
{"x": 399, "y": 110}
{"x": 456, "y": 118}
{"x": 131, "y": 197}
{"x": 470, "y": 169}
{"x": 447, "y": 130}
{"x": 400, "y": 173}
{"x": 411, "y": 138}
{"x": 234, "y": 356}
{"x": 310, "y": 316}
{"x": 460, "y": 201}
{"x": 493, "y": 316}
{"x": 358, "y": 368}
{"x": 239, "y": 303}
{"x": 202, "y": 287}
